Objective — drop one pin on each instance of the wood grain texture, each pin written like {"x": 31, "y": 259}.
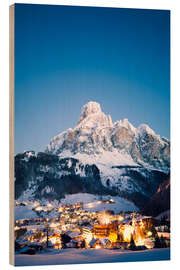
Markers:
{"x": 11, "y": 133}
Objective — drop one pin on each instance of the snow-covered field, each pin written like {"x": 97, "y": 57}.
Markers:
{"x": 79, "y": 256}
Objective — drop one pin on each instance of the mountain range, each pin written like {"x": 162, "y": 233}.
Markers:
{"x": 98, "y": 157}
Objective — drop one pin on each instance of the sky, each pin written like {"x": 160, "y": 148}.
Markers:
{"x": 66, "y": 56}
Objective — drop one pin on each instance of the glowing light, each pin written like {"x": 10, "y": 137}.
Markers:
{"x": 39, "y": 208}
{"x": 139, "y": 241}
{"x": 148, "y": 243}
{"x": 98, "y": 247}
{"x": 64, "y": 227}
{"x": 88, "y": 237}
{"x": 35, "y": 204}
{"x": 104, "y": 219}
{"x": 113, "y": 237}
{"x": 127, "y": 233}
{"x": 141, "y": 224}
{"x": 53, "y": 240}
{"x": 149, "y": 233}
{"x": 92, "y": 204}
{"x": 53, "y": 225}
{"x": 121, "y": 218}
{"x": 139, "y": 236}
{"x": 16, "y": 228}
{"x": 49, "y": 205}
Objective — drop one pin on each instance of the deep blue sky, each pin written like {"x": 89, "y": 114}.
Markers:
{"x": 67, "y": 56}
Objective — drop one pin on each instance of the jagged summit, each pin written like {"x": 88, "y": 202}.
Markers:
{"x": 93, "y": 117}
{"x": 90, "y": 108}
{"x": 96, "y": 139}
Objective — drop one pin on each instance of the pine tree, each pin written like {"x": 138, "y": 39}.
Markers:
{"x": 157, "y": 242}
{"x": 132, "y": 245}
{"x": 163, "y": 242}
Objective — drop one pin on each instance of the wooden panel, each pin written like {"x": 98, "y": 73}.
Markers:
{"x": 11, "y": 133}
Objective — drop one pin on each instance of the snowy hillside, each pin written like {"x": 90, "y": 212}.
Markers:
{"x": 91, "y": 202}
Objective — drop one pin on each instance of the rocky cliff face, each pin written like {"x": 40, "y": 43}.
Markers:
{"x": 95, "y": 137}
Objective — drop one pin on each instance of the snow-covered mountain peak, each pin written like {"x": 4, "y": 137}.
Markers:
{"x": 90, "y": 108}
{"x": 96, "y": 139}
{"x": 93, "y": 117}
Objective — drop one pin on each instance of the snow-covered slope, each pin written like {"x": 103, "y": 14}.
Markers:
{"x": 91, "y": 202}
{"x": 46, "y": 176}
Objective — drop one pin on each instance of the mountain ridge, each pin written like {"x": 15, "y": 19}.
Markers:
{"x": 96, "y": 135}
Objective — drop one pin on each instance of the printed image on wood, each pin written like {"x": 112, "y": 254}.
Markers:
{"x": 89, "y": 135}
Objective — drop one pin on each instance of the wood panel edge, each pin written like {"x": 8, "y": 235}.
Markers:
{"x": 11, "y": 132}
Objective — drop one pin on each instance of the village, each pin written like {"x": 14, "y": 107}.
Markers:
{"x": 78, "y": 226}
